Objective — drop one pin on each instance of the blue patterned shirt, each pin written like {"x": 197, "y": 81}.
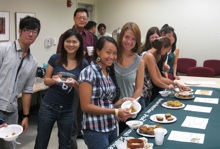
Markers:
{"x": 103, "y": 90}
{"x": 14, "y": 82}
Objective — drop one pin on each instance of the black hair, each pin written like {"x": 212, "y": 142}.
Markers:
{"x": 29, "y": 22}
{"x": 99, "y": 45}
{"x": 81, "y": 10}
{"x": 101, "y": 25}
{"x": 174, "y": 44}
{"x": 79, "y": 53}
{"x": 90, "y": 24}
{"x": 166, "y": 29}
{"x": 159, "y": 43}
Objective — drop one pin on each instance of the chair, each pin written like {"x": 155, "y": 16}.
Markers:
{"x": 214, "y": 64}
{"x": 200, "y": 72}
{"x": 184, "y": 63}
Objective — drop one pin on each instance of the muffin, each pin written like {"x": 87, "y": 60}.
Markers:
{"x": 169, "y": 119}
{"x": 167, "y": 115}
{"x": 150, "y": 131}
{"x": 159, "y": 118}
{"x": 143, "y": 129}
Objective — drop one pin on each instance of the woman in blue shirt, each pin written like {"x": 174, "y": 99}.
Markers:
{"x": 57, "y": 104}
{"x": 99, "y": 94}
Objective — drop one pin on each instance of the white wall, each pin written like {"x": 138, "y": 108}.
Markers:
{"x": 196, "y": 22}
{"x": 55, "y": 18}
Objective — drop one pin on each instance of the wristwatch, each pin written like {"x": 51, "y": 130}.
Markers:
{"x": 25, "y": 115}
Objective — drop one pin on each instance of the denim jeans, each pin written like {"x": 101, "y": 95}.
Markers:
{"x": 143, "y": 102}
{"x": 48, "y": 115}
{"x": 78, "y": 114}
{"x": 98, "y": 140}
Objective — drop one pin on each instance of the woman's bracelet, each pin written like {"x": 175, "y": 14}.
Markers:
{"x": 174, "y": 82}
{"x": 116, "y": 113}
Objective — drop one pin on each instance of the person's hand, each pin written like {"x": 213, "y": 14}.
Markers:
{"x": 3, "y": 125}
{"x": 55, "y": 79}
{"x": 166, "y": 68}
{"x": 170, "y": 87}
{"x": 24, "y": 124}
{"x": 128, "y": 99}
{"x": 176, "y": 77}
{"x": 70, "y": 82}
{"x": 124, "y": 114}
{"x": 181, "y": 87}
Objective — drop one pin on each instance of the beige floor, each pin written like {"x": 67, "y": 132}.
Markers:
{"x": 27, "y": 140}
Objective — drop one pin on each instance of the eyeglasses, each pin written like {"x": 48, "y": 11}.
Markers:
{"x": 81, "y": 18}
{"x": 33, "y": 31}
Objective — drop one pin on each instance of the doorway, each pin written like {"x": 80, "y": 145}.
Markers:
{"x": 89, "y": 7}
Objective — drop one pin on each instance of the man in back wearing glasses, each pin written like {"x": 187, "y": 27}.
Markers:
{"x": 17, "y": 75}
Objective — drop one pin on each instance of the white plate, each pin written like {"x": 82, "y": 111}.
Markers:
{"x": 170, "y": 107}
{"x": 11, "y": 132}
{"x": 178, "y": 90}
{"x": 192, "y": 82}
{"x": 67, "y": 81}
{"x": 146, "y": 135}
{"x": 184, "y": 98}
{"x": 134, "y": 124}
{"x": 153, "y": 118}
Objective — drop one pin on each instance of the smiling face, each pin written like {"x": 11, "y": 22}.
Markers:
{"x": 81, "y": 19}
{"x": 71, "y": 44}
{"x": 108, "y": 54}
{"x": 153, "y": 37}
{"x": 128, "y": 40}
{"x": 170, "y": 36}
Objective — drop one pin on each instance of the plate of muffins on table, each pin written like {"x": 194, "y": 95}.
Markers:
{"x": 163, "y": 118}
{"x": 173, "y": 104}
{"x": 184, "y": 95}
{"x": 148, "y": 130}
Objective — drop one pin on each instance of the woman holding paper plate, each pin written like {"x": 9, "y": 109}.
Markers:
{"x": 57, "y": 104}
{"x": 99, "y": 95}
{"x": 129, "y": 67}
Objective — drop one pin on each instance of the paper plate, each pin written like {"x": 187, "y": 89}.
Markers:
{"x": 192, "y": 83}
{"x": 153, "y": 118}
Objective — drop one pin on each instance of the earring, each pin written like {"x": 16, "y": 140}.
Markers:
{"x": 98, "y": 59}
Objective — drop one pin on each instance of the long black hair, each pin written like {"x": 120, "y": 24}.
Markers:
{"x": 174, "y": 44}
{"x": 79, "y": 53}
{"x": 99, "y": 45}
{"x": 166, "y": 29}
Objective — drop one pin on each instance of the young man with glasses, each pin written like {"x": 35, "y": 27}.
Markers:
{"x": 17, "y": 75}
